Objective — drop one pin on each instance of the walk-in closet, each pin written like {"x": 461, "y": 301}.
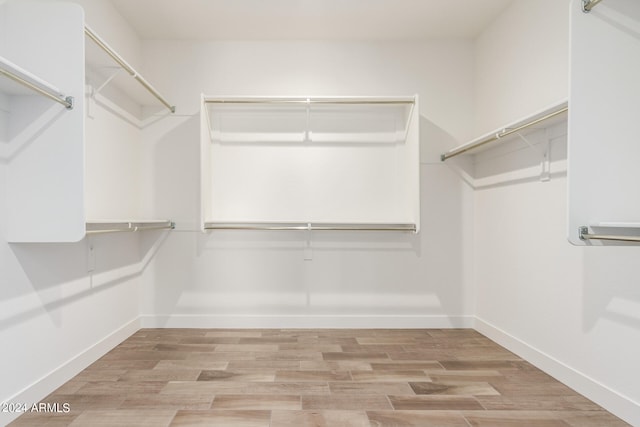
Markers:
{"x": 319, "y": 213}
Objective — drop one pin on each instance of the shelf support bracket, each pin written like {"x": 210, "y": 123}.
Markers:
{"x": 107, "y": 81}
{"x": 307, "y": 131}
{"x": 545, "y": 163}
{"x": 308, "y": 251}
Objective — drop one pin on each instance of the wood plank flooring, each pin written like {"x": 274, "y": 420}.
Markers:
{"x": 297, "y": 378}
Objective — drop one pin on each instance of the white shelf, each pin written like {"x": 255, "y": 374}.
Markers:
{"x": 604, "y": 130}
{"x": 60, "y": 167}
{"x": 105, "y": 63}
{"x": 322, "y": 120}
{"x": 541, "y": 119}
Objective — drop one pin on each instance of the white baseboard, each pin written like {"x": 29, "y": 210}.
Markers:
{"x": 306, "y": 321}
{"x": 37, "y": 391}
{"x": 619, "y": 405}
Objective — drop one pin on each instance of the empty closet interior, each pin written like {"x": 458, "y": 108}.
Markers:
{"x": 250, "y": 175}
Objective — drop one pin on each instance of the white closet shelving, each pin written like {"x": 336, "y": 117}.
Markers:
{"x": 538, "y": 120}
{"x": 102, "y": 61}
{"x": 113, "y": 181}
{"x": 604, "y": 133}
{"x": 18, "y": 81}
{"x": 50, "y": 191}
{"x": 310, "y": 163}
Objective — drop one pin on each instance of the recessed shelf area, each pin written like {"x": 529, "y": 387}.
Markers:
{"x": 65, "y": 166}
{"x": 102, "y": 59}
{"x": 310, "y": 163}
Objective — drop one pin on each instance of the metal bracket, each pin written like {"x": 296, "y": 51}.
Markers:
{"x": 587, "y": 5}
{"x": 582, "y": 231}
{"x": 70, "y": 101}
{"x": 106, "y": 82}
{"x": 93, "y": 91}
{"x": 308, "y": 251}
{"x": 545, "y": 163}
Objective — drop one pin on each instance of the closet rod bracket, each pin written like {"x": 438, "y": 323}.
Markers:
{"x": 70, "y": 102}
{"x": 587, "y": 5}
{"x": 584, "y": 235}
{"x": 582, "y": 232}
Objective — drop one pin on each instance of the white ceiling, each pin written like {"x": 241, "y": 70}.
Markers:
{"x": 309, "y": 19}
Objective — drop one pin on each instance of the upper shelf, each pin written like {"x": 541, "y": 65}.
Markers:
{"x": 96, "y": 59}
{"x": 538, "y": 120}
{"x": 22, "y": 82}
{"x": 303, "y": 119}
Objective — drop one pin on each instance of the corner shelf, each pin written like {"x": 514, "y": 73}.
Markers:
{"x": 96, "y": 59}
{"x": 53, "y": 187}
{"x": 538, "y": 120}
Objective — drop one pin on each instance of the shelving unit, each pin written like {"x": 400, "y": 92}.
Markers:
{"x": 44, "y": 141}
{"x": 97, "y": 60}
{"x": 603, "y": 207}
{"x": 54, "y": 177}
{"x": 310, "y": 163}
{"x": 121, "y": 151}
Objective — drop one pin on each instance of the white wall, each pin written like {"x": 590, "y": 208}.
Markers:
{"x": 571, "y": 310}
{"x": 362, "y": 279}
{"x": 521, "y": 63}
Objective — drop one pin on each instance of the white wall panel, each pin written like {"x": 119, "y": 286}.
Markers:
{"x": 44, "y": 148}
{"x": 604, "y": 136}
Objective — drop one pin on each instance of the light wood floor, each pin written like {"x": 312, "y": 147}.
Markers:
{"x": 445, "y": 378}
